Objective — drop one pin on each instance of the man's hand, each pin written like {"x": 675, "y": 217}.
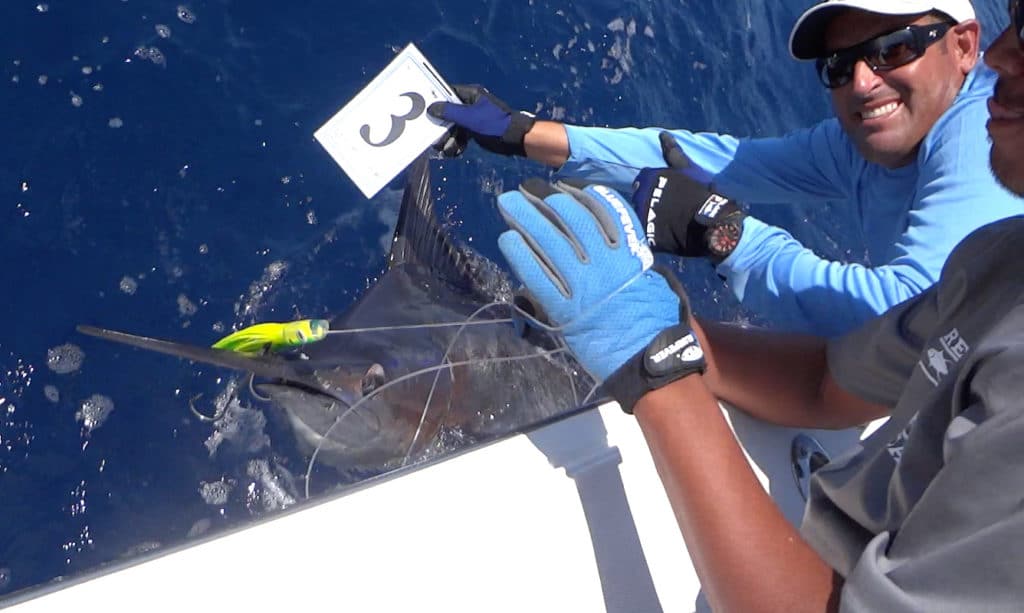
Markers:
{"x": 486, "y": 119}
{"x": 681, "y": 215}
{"x": 581, "y": 255}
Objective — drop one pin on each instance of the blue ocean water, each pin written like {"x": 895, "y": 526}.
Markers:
{"x": 159, "y": 175}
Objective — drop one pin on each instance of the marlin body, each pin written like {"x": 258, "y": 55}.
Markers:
{"x": 356, "y": 398}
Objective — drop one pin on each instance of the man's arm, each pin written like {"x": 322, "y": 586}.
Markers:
{"x": 770, "y": 271}
{"x": 547, "y": 143}
{"x": 806, "y": 165}
{"x": 809, "y": 165}
{"x": 781, "y": 378}
{"x": 747, "y": 555}
{"x": 806, "y": 381}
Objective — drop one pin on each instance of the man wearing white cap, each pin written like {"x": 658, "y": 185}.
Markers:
{"x": 906, "y": 150}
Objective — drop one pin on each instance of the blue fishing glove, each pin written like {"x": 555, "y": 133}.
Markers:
{"x": 682, "y": 215}
{"x": 486, "y": 119}
{"x": 581, "y": 255}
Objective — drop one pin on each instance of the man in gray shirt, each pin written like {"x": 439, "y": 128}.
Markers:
{"x": 927, "y": 514}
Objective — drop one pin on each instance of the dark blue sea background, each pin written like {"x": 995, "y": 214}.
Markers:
{"x": 159, "y": 175}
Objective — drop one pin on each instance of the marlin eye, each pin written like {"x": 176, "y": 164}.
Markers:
{"x": 373, "y": 379}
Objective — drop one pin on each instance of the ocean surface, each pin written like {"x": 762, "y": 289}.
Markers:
{"x": 159, "y": 175}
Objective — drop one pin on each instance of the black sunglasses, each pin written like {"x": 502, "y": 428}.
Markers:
{"x": 1017, "y": 19}
{"x": 884, "y": 52}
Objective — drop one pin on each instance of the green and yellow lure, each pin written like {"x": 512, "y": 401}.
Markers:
{"x": 266, "y": 337}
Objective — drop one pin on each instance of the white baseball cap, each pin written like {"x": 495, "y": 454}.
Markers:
{"x": 806, "y": 41}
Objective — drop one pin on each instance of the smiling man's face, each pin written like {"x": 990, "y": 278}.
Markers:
{"x": 888, "y": 113}
{"x": 1006, "y": 126}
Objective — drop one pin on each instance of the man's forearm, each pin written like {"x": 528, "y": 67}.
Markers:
{"x": 748, "y": 556}
{"x": 780, "y": 378}
{"x": 547, "y": 143}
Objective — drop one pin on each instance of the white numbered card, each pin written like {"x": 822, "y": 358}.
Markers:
{"x": 386, "y": 126}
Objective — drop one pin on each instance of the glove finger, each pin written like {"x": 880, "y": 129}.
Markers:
{"x": 482, "y": 118}
{"x": 576, "y": 182}
{"x": 537, "y": 190}
{"x": 676, "y": 158}
{"x": 453, "y": 143}
{"x": 605, "y": 221}
{"x": 461, "y": 115}
{"x": 538, "y": 278}
{"x": 672, "y": 152}
{"x": 439, "y": 110}
{"x": 547, "y": 240}
{"x": 469, "y": 93}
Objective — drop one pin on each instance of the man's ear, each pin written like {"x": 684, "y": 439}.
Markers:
{"x": 966, "y": 43}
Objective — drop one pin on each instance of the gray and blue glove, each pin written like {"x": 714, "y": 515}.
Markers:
{"x": 486, "y": 119}
{"x": 582, "y": 256}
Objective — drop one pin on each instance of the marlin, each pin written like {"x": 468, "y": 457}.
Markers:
{"x": 429, "y": 346}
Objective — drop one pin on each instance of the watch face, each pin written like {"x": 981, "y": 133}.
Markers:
{"x": 723, "y": 238}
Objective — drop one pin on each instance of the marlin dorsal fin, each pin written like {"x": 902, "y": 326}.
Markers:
{"x": 419, "y": 239}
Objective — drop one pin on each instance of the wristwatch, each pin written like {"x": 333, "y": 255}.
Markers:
{"x": 723, "y": 220}
{"x": 724, "y": 235}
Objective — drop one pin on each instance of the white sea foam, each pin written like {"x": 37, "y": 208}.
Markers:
{"x": 94, "y": 411}
{"x": 64, "y": 359}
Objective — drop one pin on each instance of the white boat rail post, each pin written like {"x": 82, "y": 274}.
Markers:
{"x": 583, "y": 451}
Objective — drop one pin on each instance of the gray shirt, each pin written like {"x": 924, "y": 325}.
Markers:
{"x": 927, "y": 514}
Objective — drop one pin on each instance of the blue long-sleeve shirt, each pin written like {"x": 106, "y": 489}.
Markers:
{"x": 911, "y": 217}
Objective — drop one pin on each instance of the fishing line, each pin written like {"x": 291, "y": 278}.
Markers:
{"x": 536, "y": 322}
{"x": 579, "y": 317}
{"x": 590, "y": 394}
{"x": 559, "y": 339}
{"x": 470, "y": 321}
{"x": 437, "y": 375}
{"x": 405, "y": 377}
{"x": 446, "y": 324}
{"x": 586, "y": 311}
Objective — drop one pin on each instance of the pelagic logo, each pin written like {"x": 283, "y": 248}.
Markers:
{"x": 636, "y": 245}
{"x": 712, "y": 206}
{"x": 686, "y": 347}
{"x": 652, "y": 214}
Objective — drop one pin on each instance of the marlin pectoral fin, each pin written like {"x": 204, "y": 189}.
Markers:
{"x": 269, "y": 366}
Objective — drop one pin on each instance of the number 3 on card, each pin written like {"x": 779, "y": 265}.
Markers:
{"x": 397, "y": 121}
